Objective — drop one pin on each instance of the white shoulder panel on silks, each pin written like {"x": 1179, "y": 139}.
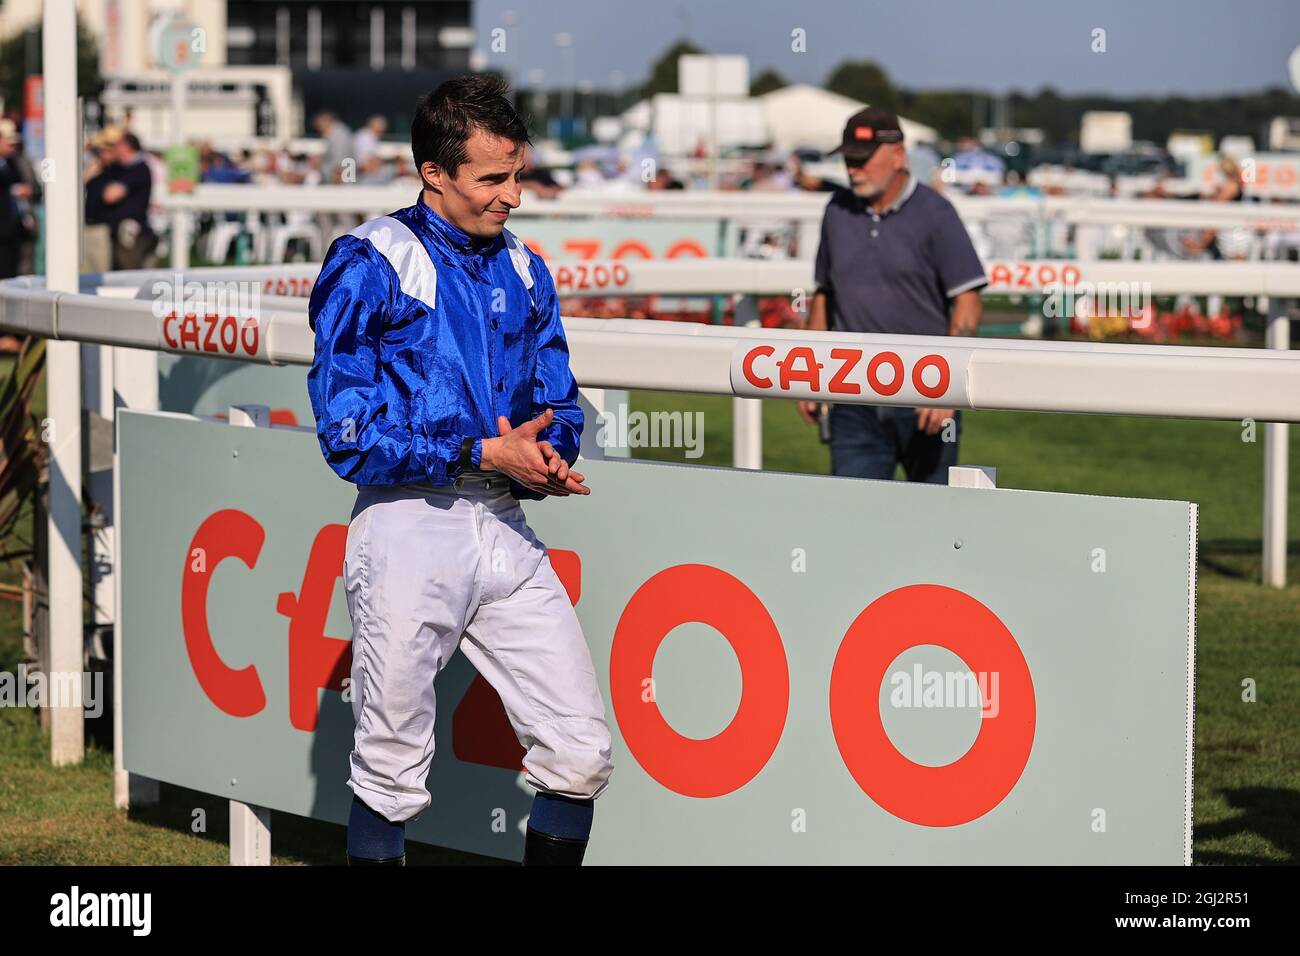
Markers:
{"x": 519, "y": 256}
{"x": 405, "y": 253}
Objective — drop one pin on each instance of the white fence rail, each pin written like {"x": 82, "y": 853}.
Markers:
{"x": 782, "y": 277}
{"x": 1087, "y": 377}
{"x": 744, "y": 206}
{"x": 680, "y": 277}
{"x": 1081, "y": 227}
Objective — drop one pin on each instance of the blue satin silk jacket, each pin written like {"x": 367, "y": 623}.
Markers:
{"x": 424, "y": 335}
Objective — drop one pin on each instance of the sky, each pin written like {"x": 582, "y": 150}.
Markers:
{"x": 1152, "y": 47}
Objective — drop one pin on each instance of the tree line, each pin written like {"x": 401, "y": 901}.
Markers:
{"x": 956, "y": 113}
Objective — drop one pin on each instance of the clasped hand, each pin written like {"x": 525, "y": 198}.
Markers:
{"x": 535, "y": 464}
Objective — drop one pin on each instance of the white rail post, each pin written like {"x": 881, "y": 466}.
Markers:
{"x": 250, "y": 827}
{"x": 63, "y": 383}
{"x": 133, "y": 378}
{"x": 972, "y": 476}
{"x": 180, "y": 240}
{"x": 250, "y": 835}
{"x": 1276, "y": 436}
{"x": 180, "y": 217}
{"x": 747, "y": 418}
{"x": 747, "y": 433}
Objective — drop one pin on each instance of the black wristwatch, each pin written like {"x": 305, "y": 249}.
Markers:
{"x": 466, "y": 459}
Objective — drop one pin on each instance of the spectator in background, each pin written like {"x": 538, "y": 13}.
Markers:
{"x": 587, "y": 175}
{"x": 13, "y": 229}
{"x": 261, "y": 168}
{"x": 1208, "y": 241}
{"x": 1016, "y": 187}
{"x": 339, "y": 147}
{"x": 624, "y": 177}
{"x": 973, "y": 166}
{"x": 125, "y": 194}
{"x": 404, "y": 170}
{"x": 664, "y": 181}
{"x": 537, "y": 179}
{"x": 293, "y": 169}
{"x": 299, "y": 169}
{"x": 894, "y": 258}
{"x": 337, "y": 165}
{"x": 769, "y": 178}
{"x": 97, "y": 236}
{"x": 216, "y": 167}
{"x": 16, "y": 225}
{"x": 366, "y": 142}
{"x": 926, "y": 165}
{"x": 1236, "y": 244}
{"x": 310, "y": 169}
{"x": 806, "y": 180}
{"x": 24, "y": 194}
{"x": 376, "y": 171}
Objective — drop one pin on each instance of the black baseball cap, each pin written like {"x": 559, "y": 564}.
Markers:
{"x": 866, "y": 130}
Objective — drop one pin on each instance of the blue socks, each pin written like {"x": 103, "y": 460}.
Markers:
{"x": 560, "y": 816}
{"x": 371, "y": 836}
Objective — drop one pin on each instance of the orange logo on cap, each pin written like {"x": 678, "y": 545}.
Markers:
{"x": 864, "y": 132}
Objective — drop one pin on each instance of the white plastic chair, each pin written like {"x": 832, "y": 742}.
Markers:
{"x": 280, "y": 237}
{"x": 225, "y": 232}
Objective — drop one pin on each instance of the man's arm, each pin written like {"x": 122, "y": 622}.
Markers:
{"x": 961, "y": 276}
{"x": 818, "y": 317}
{"x": 967, "y": 308}
{"x": 817, "y": 321}
{"x": 132, "y": 179}
{"x": 28, "y": 173}
{"x": 960, "y": 273}
{"x": 349, "y": 307}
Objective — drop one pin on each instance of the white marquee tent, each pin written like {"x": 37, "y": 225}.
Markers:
{"x": 794, "y": 116}
{"x": 805, "y": 115}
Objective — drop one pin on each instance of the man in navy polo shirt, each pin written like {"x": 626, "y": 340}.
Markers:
{"x": 894, "y": 258}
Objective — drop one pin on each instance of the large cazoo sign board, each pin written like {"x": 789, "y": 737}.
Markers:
{"x": 795, "y": 668}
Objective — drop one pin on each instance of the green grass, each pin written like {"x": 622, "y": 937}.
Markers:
{"x": 64, "y": 816}
{"x": 1247, "y": 800}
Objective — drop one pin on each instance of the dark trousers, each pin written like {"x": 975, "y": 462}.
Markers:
{"x": 869, "y": 441}
{"x": 9, "y": 259}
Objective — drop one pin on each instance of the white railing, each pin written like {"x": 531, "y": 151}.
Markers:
{"x": 1087, "y": 377}
{"x": 1082, "y": 228}
{"x": 743, "y": 206}
{"x": 783, "y": 277}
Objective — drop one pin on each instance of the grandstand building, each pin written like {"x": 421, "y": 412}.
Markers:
{"x": 352, "y": 58}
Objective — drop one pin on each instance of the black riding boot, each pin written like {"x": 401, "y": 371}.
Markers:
{"x": 542, "y": 849}
{"x": 363, "y": 861}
